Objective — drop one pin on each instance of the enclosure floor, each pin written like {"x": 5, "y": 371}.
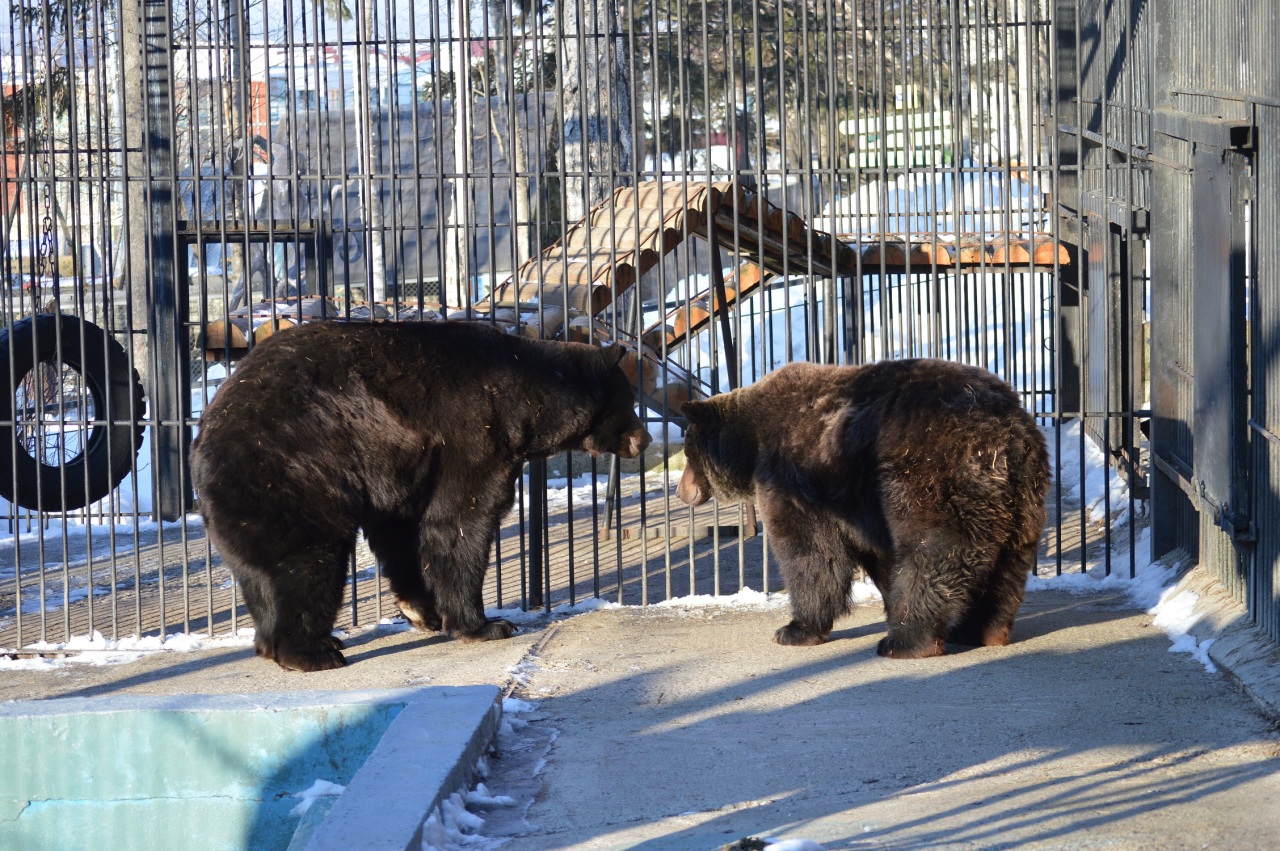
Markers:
{"x": 152, "y": 584}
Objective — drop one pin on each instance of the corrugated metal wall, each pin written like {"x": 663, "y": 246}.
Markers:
{"x": 1215, "y": 244}
{"x": 1264, "y": 341}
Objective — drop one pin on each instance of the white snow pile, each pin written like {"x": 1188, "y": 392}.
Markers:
{"x": 747, "y": 598}
{"x": 98, "y": 650}
{"x": 794, "y": 845}
{"x": 452, "y": 825}
{"x": 1175, "y": 614}
{"x": 1082, "y": 471}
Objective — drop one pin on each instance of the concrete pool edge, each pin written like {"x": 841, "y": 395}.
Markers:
{"x": 428, "y": 751}
{"x": 426, "y": 754}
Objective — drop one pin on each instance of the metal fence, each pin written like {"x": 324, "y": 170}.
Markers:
{"x": 723, "y": 187}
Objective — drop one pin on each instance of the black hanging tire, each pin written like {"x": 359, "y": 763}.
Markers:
{"x": 114, "y": 432}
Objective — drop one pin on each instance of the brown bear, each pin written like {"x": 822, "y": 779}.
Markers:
{"x": 414, "y": 433}
{"x": 927, "y": 474}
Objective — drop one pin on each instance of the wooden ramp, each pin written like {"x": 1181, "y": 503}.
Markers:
{"x": 623, "y": 237}
{"x": 626, "y": 235}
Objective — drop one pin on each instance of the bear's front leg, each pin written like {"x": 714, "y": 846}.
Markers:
{"x": 817, "y": 571}
{"x": 455, "y": 576}
{"x": 294, "y": 604}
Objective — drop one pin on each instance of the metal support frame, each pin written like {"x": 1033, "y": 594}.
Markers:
{"x": 167, "y": 302}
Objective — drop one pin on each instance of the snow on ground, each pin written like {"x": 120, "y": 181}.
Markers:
{"x": 457, "y": 822}
{"x": 97, "y": 650}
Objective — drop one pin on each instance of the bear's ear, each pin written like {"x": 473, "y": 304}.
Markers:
{"x": 703, "y": 414}
{"x": 613, "y": 354}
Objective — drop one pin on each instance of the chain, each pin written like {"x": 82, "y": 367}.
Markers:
{"x": 46, "y": 251}
{"x": 46, "y": 244}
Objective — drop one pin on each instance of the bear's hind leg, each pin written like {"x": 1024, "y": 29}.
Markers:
{"x": 921, "y": 600}
{"x": 395, "y": 544}
{"x": 988, "y": 622}
{"x": 294, "y": 606}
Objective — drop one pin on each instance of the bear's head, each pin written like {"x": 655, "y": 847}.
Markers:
{"x": 615, "y": 427}
{"x": 717, "y": 458}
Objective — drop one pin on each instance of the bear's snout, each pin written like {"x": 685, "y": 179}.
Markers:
{"x": 689, "y": 490}
{"x": 634, "y": 443}
{"x": 627, "y": 445}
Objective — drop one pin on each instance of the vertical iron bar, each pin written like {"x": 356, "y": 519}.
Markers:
{"x": 169, "y": 355}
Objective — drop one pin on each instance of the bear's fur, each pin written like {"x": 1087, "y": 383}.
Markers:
{"x": 928, "y": 474}
{"x": 415, "y": 433}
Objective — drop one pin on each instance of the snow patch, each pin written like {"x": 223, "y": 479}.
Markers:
{"x": 1082, "y": 470}
{"x": 1175, "y": 614}
{"x": 451, "y": 826}
{"x": 591, "y": 604}
{"x": 794, "y": 845}
{"x": 317, "y": 790}
{"x": 454, "y": 824}
{"x": 747, "y": 598}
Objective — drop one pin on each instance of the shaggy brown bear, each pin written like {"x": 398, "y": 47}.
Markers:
{"x": 928, "y": 474}
{"x": 415, "y": 433}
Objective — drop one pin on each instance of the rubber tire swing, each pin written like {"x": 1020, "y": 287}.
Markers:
{"x": 115, "y": 434}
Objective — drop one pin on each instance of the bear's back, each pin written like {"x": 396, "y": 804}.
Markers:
{"x": 909, "y": 388}
{"x": 909, "y": 417}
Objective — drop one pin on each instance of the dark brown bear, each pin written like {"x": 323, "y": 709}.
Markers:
{"x": 414, "y": 433}
{"x": 927, "y": 474}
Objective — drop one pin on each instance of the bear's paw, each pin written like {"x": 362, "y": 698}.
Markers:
{"x": 794, "y": 635}
{"x": 324, "y": 659}
{"x": 898, "y": 648}
{"x": 421, "y": 617}
{"x": 496, "y": 629}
